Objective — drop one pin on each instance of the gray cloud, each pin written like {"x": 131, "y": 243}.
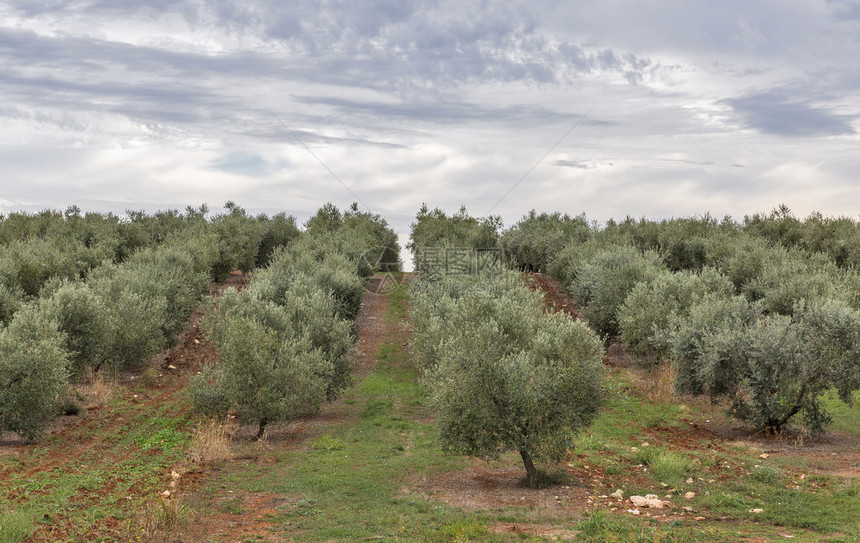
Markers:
{"x": 443, "y": 112}
{"x": 845, "y": 10}
{"x": 578, "y": 164}
{"x": 774, "y": 113}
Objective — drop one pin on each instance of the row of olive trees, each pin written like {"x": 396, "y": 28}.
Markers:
{"x": 284, "y": 341}
{"x": 662, "y": 300}
{"x": 121, "y": 315}
{"x": 501, "y": 374}
{"x": 46, "y": 248}
{"x": 687, "y": 243}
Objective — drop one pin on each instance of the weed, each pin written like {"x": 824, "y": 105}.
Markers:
{"x": 766, "y": 474}
{"x": 464, "y": 530}
{"x": 71, "y": 408}
{"x": 670, "y": 467}
{"x": 14, "y": 527}
{"x": 211, "y": 439}
{"x": 101, "y": 389}
{"x": 387, "y": 354}
{"x": 326, "y": 442}
{"x": 232, "y": 506}
{"x": 660, "y": 386}
{"x": 161, "y": 518}
{"x": 149, "y": 377}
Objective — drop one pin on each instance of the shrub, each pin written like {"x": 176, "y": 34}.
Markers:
{"x": 707, "y": 346}
{"x": 278, "y": 231}
{"x": 742, "y": 259}
{"x": 770, "y": 367}
{"x": 304, "y": 311}
{"x": 534, "y": 241}
{"x": 793, "y": 277}
{"x": 239, "y": 239}
{"x": 81, "y": 317}
{"x": 33, "y": 373}
{"x": 10, "y": 301}
{"x": 435, "y": 229}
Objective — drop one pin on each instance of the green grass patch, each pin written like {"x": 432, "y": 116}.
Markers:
{"x": 79, "y": 492}
{"x": 666, "y": 466}
{"x": 398, "y": 304}
{"x": 846, "y": 418}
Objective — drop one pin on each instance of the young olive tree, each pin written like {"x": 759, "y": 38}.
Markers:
{"x": 264, "y": 375}
{"x": 304, "y": 310}
{"x": 82, "y": 318}
{"x": 770, "y": 367}
{"x": 33, "y": 372}
{"x": 509, "y": 377}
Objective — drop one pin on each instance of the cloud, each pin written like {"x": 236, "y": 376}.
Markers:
{"x": 444, "y": 112}
{"x": 774, "y": 113}
{"x": 240, "y": 163}
{"x": 845, "y": 10}
{"x": 578, "y": 164}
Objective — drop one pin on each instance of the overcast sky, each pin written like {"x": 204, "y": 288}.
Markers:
{"x": 661, "y": 108}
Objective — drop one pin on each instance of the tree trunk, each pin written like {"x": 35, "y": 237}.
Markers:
{"x": 775, "y": 426}
{"x": 262, "y": 429}
{"x": 531, "y": 471}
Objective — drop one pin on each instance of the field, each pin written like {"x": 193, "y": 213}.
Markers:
{"x": 681, "y": 380}
{"x": 369, "y": 466}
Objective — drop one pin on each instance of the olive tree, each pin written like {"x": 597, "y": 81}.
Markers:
{"x": 82, "y": 318}
{"x": 770, "y": 367}
{"x": 509, "y": 377}
{"x": 264, "y": 375}
{"x": 604, "y": 280}
{"x": 33, "y": 372}
{"x": 645, "y": 315}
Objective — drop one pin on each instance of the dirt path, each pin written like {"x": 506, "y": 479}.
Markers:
{"x": 247, "y": 516}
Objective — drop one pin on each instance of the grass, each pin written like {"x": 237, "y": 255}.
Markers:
{"x": 350, "y": 478}
{"x": 846, "y": 418}
{"x": 132, "y": 449}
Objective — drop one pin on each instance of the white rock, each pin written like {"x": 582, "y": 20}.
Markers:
{"x": 757, "y": 511}
{"x": 166, "y": 493}
{"x": 689, "y": 495}
{"x": 689, "y": 480}
{"x": 633, "y": 511}
{"x": 650, "y": 500}
{"x": 618, "y": 494}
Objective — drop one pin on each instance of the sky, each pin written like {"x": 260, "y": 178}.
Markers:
{"x": 661, "y": 109}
